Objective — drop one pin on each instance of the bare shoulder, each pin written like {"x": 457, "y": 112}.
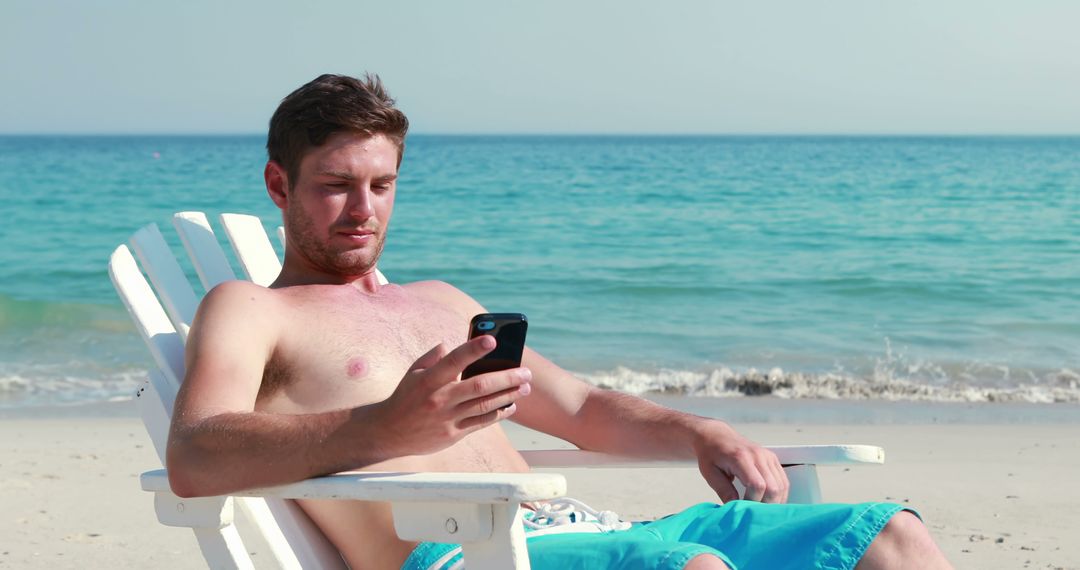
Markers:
{"x": 239, "y": 287}
{"x": 238, "y": 297}
{"x": 234, "y": 333}
{"x": 445, "y": 294}
{"x": 238, "y": 308}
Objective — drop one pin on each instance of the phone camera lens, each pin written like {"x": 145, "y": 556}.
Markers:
{"x": 485, "y": 325}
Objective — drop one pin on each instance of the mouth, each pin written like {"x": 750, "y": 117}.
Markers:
{"x": 360, "y": 235}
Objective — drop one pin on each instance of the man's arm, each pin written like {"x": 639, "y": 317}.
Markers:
{"x": 606, "y": 420}
{"x": 218, "y": 443}
{"x": 614, "y": 422}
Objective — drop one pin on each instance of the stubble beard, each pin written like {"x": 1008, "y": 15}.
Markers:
{"x": 347, "y": 263}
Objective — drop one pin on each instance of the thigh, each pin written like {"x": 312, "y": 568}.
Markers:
{"x": 634, "y": 549}
{"x": 757, "y": 535}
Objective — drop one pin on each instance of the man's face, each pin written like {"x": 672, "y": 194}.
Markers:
{"x": 339, "y": 207}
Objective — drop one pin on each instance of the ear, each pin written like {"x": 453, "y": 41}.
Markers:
{"x": 277, "y": 184}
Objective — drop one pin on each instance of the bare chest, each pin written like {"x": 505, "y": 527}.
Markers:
{"x": 349, "y": 351}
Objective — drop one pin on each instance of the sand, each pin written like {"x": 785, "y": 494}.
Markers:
{"x": 995, "y": 495}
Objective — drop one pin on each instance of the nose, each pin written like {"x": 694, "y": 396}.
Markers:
{"x": 360, "y": 204}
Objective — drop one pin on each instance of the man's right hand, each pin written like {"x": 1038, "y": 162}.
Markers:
{"x": 432, "y": 409}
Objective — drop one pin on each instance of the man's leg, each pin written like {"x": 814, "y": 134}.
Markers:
{"x": 756, "y": 535}
{"x": 903, "y": 543}
{"x": 705, "y": 562}
{"x": 625, "y": 549}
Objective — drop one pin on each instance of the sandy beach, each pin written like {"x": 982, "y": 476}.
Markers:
{"x": 995, "y": 495}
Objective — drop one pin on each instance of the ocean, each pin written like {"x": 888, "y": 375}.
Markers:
{"x": 886, "y": 268}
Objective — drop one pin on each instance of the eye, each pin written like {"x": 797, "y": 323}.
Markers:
{"x": 336, "y": 187}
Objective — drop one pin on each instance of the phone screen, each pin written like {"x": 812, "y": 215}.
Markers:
{"x": 509, "y": 331}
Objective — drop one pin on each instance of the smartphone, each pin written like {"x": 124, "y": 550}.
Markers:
{"x": 509, "y": 331}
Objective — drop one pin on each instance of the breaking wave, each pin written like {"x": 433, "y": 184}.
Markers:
{"x": 1062, "y": 386}
{"x": 30, "y": 387}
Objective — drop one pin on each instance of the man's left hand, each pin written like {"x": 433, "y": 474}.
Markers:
{"x": 724, "y": 456}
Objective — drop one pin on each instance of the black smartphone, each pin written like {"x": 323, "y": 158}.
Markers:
{"x": 509, "y": 331}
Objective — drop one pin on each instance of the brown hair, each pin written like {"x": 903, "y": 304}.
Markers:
{"x": 330, "y": 104}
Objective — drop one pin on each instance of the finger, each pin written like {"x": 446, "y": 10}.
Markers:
{"x": 778, "y": 489}
{"x": 774, "y": 489}
{"x": 456, "y": 360}
{"x": 487, "y": 404}
{"x": 783, "y": 479}
{"x": 474, "y": 423}
{"x": 484, "y": 385}
{"x": 429, "y": 358}
{"x": 718, "y": 480}
{"x": 778, "y": 482}
{"x": 747, "y": 472}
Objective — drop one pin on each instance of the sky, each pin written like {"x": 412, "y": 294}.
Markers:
{"x": 562, "y": 67}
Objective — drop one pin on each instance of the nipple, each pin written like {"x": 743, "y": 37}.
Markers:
{"x": 356, "y": 367}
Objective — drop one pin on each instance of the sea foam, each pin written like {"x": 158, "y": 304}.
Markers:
{"x": 29, "y": 389}
{"x": 1060, "y": 386}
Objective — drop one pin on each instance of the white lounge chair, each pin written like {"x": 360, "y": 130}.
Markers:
{"x": 480, "y": 511}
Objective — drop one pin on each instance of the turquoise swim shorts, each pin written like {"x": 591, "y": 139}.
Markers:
{"x": 744, "y": 534}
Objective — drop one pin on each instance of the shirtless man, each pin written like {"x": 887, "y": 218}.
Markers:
{"x": 327, "y": 370}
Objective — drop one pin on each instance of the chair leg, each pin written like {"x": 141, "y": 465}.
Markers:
{"x": 223, "y": 548}
{"x": 805, "y": 485}
{"x": 506, "y": 547}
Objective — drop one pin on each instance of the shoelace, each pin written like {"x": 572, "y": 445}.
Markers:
{"x": 558, "y": 512}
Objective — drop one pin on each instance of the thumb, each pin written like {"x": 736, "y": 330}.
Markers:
{"x": 430, "y": 358}
{"x": 720, "y": 481}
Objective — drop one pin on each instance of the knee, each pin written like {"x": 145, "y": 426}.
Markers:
{"x": 906, "y": 534}
{"x": 705, "y": 562}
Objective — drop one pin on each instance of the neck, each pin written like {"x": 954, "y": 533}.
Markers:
{"x": 294, "y": 273}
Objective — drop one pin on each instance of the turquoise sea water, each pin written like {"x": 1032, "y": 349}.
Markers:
{"x": 923, "y": 268}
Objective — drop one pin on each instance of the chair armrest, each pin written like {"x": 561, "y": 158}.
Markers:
{"x": 441, "y": 507}
{"x": 788, "y": 455}
{"x": 404, "y": 487}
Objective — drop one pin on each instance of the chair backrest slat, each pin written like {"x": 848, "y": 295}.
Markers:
{"x": 153, "y": 324}
{"x": 252, "y": 247}
{"x": 169, "y": 280}
{"x": 155, "y": 399}
{"x": 294, "y": 539}
{"x": 203, "y": 248}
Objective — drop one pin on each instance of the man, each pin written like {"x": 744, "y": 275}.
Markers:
{"x": 327, "y": 371}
